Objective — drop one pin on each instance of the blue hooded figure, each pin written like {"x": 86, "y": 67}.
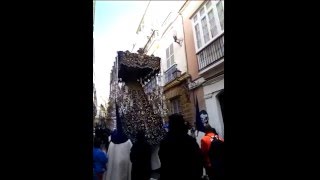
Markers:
{"x": 118, "y": 135}
{"x": 119, "y": 165}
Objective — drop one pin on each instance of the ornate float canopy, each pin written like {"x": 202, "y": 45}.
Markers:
{"x": 136, "y": 110}
{"x": 132, "y": 66}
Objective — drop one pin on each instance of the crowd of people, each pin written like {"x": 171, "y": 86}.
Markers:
{"x": 179, "y": 156}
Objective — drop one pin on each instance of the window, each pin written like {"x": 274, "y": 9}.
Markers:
{"x": 220, "y": 14}
{"x": 208, "y": 23}
{"x": 198, "y": 36}
{"x": 195, "y": 18}
{"x": 170, "y": 56}
{"x": 205, "y": 30}
{"x": 213, "y": 26}
{"x": 208, "y": 5}
{"x": 202, "y": 11}
{"x": 175, "y": 105}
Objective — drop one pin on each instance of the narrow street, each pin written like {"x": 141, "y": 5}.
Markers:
{"x": 158, "y": 87}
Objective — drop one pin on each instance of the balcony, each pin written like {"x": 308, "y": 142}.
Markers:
{"x": 212, "y": 53}
{"x": 169, "y": 74}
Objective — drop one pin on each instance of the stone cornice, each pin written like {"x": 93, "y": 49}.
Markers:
{"x": 176, "y": 82}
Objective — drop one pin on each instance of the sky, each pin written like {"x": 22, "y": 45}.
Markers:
{"x": 115, "y": 26}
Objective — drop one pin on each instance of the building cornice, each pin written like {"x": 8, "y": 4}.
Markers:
{"x": 176, "y": 82}
{"x": 213, "y": 79}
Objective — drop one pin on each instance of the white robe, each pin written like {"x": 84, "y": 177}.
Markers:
{"x": 119, "y": 164}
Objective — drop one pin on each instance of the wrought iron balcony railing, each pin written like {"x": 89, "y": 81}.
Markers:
{"x": 212, "y": 53}
{"x": 169, "y": 74}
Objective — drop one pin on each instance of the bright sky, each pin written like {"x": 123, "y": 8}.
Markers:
{"x": 115, "y": 26}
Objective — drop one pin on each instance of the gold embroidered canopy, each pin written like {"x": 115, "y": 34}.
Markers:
{"x": 137, "y": 111}
{"x": 134, "y": 66}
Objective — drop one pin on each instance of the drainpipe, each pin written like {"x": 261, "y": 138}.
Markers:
{"x": 184, "y": 39}
{"x": 185, "y": 49}
{"x": 184, "y": 36}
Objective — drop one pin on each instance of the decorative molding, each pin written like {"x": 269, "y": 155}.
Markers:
{"x": 213, "y": 80}
{"x": 196, "y": 83}
{"x": 209, "y": 68}
{"x": 208, "y": 96}
{"x": 176, "y": 82}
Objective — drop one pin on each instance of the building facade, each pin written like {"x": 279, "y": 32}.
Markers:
{"x": 174, "y": 66}
{"x": 204, "y": 38}
{"x": 161, "y": 34}
{"x": 114, "y": 89}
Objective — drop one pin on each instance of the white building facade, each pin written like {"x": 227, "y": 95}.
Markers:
{"x": 208, "y": 33}
{"x": 155, "y": 34}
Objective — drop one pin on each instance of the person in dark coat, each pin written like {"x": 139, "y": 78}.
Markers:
{"x": 105, "y": 138}
{"x": 217, "y": 157}
{"x": 179, "y": 153}
{"x": 140, "y": 157}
